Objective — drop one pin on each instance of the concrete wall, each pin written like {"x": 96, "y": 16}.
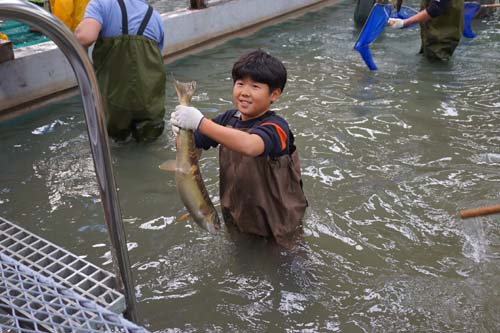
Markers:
{"x": 40, "y": 74}
{"x": 37, "y": 74}
{"x": 190, "y": 30}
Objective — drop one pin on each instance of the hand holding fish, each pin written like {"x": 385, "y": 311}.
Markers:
{"x": 186, "y": 117}
{"x": 396, "y": 23}
{"x": 188, "y": 179}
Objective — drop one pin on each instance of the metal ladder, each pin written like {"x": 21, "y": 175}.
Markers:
{"x": 55, "y": 30}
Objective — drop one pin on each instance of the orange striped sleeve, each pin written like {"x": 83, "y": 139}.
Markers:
{"x": 281, "y": 133}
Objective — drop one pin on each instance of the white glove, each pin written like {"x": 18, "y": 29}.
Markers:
{"x": 175, "y": 129}
{"x": 396, "y": 23}
{"x": 186, "y": 117}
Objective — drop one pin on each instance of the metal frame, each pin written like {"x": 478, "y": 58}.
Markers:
{"x": 69, "y": 270}
{"x": 55, "y": 30}
{"x": 31, "y": 302}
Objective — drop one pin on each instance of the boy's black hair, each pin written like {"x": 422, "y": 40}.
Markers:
{"x": 260, "y": 67}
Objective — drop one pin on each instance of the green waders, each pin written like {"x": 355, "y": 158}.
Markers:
{"x": 131, "y": 77}
{"x": 441, "y": 35}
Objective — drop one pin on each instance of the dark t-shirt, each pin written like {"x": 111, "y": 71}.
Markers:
{"x": 436, "y": 7}
{"x": 274, "y": 131}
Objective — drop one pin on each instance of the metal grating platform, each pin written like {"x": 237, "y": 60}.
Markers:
{"x": 65, "y": 268}
{"x": 30, "y": 302}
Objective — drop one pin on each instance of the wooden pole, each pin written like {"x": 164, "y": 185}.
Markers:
{"x": 480, "y": 211}
{"x": 493, "y": 5}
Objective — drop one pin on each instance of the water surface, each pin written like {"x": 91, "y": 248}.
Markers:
{"x": 164, "y": 6}
{"x": 388, "y": 160}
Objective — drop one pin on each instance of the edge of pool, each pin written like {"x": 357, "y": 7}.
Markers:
{"x": 40, "y": 74}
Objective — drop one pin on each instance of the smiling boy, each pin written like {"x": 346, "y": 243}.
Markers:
{"x": 260, "y": 181}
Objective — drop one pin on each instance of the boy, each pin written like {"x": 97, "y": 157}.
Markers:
{"x": 260, "y": 182}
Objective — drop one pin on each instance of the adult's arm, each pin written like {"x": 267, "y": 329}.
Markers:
{"x": 87, "y": 31}
{"x": 420, "y": 17}
{"x": 434, "y": 9}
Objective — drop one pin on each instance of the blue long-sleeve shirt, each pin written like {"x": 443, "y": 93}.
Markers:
{"x": 109, "y": 15}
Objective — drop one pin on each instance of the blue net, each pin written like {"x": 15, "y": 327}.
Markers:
{"x": 470, "y": 9}
{"x": 374, "y": 25}
{"x": 404, "y": 13}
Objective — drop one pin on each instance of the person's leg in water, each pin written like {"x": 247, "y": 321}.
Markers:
{"x": 148, "y": 130}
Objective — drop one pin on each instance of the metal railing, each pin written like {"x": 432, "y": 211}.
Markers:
{"x": 77, "y": 56}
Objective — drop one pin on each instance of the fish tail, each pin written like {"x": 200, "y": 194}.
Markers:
{"x": 185, "y": 91}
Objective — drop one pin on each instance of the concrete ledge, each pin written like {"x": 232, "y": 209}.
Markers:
{"x": 36, "y": 72}
{"x": 188, "y": 31}
{"x": 40, "y": 73}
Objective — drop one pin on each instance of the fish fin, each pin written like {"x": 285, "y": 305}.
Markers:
{"x": 169, "y": 166}
{"x": 185, "y": 91}
{"x": 183, "y": 217}
{"x": 198, "y": 153}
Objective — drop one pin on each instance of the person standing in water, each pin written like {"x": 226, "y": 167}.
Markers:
{"x": 260, "y": 181}
{"x": 441, "y": 27}
{"x": 128, "y": 36}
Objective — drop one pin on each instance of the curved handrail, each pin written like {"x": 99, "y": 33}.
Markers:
{"x": 55, "y": 30}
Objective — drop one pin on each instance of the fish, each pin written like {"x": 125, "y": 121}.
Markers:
{"x": 188, "y": 179}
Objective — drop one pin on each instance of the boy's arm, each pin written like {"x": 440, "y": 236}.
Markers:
{"x": 242, "y": 142}
{"x": 191, "y": 118}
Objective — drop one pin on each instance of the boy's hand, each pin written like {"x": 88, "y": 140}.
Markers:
{"x": 175, "y": 129}
{"x": 186, "y": 117}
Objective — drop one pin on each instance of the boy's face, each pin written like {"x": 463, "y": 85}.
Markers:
{"x": 253, "y": 98}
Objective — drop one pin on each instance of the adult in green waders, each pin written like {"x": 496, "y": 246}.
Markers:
{"x": 128, "y": 36}
{"x": 441, "y": 27}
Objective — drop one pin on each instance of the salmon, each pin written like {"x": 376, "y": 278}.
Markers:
{"x": 188, "y": 179}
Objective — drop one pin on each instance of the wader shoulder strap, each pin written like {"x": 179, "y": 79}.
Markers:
{"x": 124, "y": 17}
{"x": 145, "y": 21}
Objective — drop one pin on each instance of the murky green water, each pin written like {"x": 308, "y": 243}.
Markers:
{"x": 164, "y": 6}
{"x": 388, "y": 158}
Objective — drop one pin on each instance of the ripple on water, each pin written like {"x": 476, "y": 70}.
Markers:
{"x": 63, "y": 170}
